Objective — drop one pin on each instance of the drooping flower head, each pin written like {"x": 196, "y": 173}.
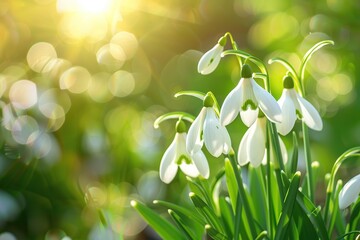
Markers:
{"x": 252, "y": 147}
{"x": 294, "y": 106}
{"x": 350, "y": 192}
{"x": 192, "y": 164}
{"x": 247, "y": 98}
{"x": 207, "y": 128}
{"x": 210, "y": 60}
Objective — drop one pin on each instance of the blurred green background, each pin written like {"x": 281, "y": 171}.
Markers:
{"x": 81, "y": 83}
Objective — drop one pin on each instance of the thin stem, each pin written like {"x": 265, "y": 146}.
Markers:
{"x": 242, "y": 195}
{"x": 269, "y": 195}
{"x": 234, "y": 46}
{"x": 309, "y": 178}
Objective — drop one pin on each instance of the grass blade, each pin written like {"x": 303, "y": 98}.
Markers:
{"x": 159, "y": 224}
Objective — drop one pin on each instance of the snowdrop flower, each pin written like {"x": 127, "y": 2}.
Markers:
{"x": 350, "y": 192}
{"x": 176, "y": 156}
{"x": 292, "y": 105}
{"x": 210, "y": 60}
{"x": 215, "y": 136}
{"x": 247, "y": 97}
{"x": 252, "y": 145}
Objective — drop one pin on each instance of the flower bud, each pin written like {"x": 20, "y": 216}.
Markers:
{"x": 210, "y": 60}
{"x": 246, "y": 71}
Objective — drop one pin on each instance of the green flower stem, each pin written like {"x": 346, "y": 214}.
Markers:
{"x": 234, "y": 46}
{"x": 309, "y": 175}
{"x": 242, "y": 194}
{"x": 269, "y": 195}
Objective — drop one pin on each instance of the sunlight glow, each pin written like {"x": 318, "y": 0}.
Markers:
{"x": 84, "y": 6}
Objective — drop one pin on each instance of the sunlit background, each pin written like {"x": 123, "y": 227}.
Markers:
{"x": 82, "y": 81}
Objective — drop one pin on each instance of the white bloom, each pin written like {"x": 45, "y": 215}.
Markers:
{"x": 247, "y": 97}
{"x": 176, "y": 155}
{"x": 215, "y": 136}
{"x": 350, "y": 192}
{"x": 210, "y": 60}
{"x": 293, "y": 106}
{"x": 252, "y": 145}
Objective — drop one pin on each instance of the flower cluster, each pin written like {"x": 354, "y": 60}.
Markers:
{"x": 255, "y": 106}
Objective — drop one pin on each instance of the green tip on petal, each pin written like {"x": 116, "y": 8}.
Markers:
{"x": 288, "y": 82}
{"x": 208, "y": 101}
{"x": 222, "y": 41}
{"x": 180, "y": 126}
{"x": 246, "y": 71}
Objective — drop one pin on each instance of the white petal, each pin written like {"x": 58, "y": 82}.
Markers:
{"x": 193, "y": 140}
{"x": 248, "y": 113}
{"x": 310, "y": 115}
{"x": 283, "y": 151}
{"x": 249, "y": 116}
{"x": 243, "y": 157}
{"x": 226, "y": 140}
{"x": 288, "y": 110}
{"x": 212, "y": 134}
{"x": 189, "y": 169}
{"x": 256, "y": 142}
{"x": 201, "y": 164}
{"x": 350, "y": 192}
{"x": 210, "y": 60}
{"x": 267, "y": 103}
{"x": 231, "y": 106}
{"x": 168, "y": 167}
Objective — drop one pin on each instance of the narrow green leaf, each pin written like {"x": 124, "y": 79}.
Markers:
{"x": 348, "y": 234}
{"x": 201, "y": 189}
{"x": 183, "y": 226}
{"x": 227, "y": 216}
{"x": 159, "y": 224}
{"x": 182, "y": 210}
{"x": 173, "y": 115}
{"x": 214, "y": 234}
{"x": 288, "y": 207}
{"x": 313, "y": 214}
{"x": 335, "y": 207}
{"x": 262, "y": 235}
{"x": 206, "y": 211}
{"x": 309, "y": 54}
{"x": 197, "y": 94}
{"x": 257, "y": 190}
{"x": 231, "y": 183}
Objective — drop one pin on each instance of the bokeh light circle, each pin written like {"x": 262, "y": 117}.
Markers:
{"x": 122, "y": 83}
{"x": 39, "y": 55}
{"x": 76, "y": 79}
{"x": 25, "y": 130}
{"x": 123, "y": 46}
{"x": 23, "y": 94}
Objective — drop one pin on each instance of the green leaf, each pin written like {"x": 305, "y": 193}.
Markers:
{"x": 258, "y": 195}
{"x": 227, "y": 216}
{"x": 335, "y": 207}
{"x": 183, "y": 226}
{"x": 159, "y": 224}
{"x": 181, "y": 210}
{"x": 354, "y": 217}
{"x": 309, "y": 54}
{"x": 206, "y": 211}
{"x": 262, "y": 235}
{"x": 231, "y": 183}
{"x": 214, "y": 234}
{"x": 173, "y": 115}
{"x": 197, "y": 94}
{"x": 288, "y": 207}
{"x": 313, "y": 213}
